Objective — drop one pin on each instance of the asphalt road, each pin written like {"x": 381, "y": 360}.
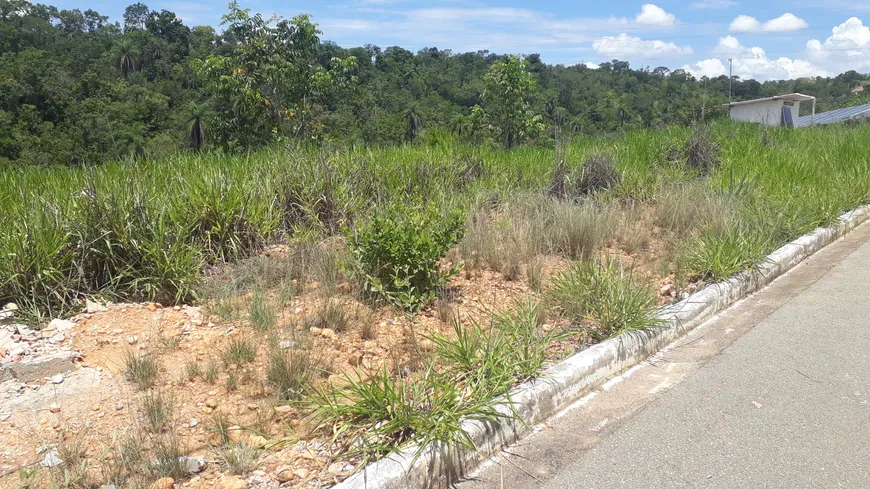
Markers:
{"x": 774, "y": 393}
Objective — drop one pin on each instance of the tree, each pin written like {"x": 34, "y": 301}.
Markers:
{"x": 269, "y": 83}
{"x": 126, "y": 56}
{"x": 132, "y": 140}
{"x": 195, "y": 117}
{"x": 506, "y": 110}
{"x": 135, "y": 16}
{"x": 413, "y": 122}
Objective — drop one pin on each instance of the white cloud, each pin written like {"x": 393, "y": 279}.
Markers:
{"x": 713, "y": 4}
{"x": 654, "y": 15}
{"x": 472, "y": 28}
{"x": 745, "y": 23}
{"x": 624, "y": 46}
{"x": 753, "y": 63}
{"x": 848, "y": 47}
{"x": 786, "y": 22}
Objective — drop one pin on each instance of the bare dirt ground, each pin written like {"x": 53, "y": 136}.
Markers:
{"x": 93, "y": 403}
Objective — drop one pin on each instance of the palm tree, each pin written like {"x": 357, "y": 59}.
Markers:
{"x": 413, "y": 121}
{"x": 126, "y": 56}
{"x": 196, "y": 116}
{"x": 460, "y": 124}
{"x": 132, "y": 138}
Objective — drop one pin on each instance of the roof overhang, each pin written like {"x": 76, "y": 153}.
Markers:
{"x": 791, "y": 97}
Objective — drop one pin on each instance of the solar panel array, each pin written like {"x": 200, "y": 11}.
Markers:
{"x": 839, "y": 115}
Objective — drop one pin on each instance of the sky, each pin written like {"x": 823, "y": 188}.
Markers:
{"x": 773, "y": 39}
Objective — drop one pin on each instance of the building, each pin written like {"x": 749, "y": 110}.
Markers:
{"x": 779, "y": 110}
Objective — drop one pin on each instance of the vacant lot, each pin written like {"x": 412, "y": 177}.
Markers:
{"x": 350, "y": 301}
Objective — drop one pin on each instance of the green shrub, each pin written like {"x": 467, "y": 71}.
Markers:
{"x": 605, "y": 294}
{"x": 398, "y": 253}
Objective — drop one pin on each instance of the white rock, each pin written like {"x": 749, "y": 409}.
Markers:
{"x": 193, "y": 422}
{"x": 93, "y": 307}
{"x": 285, "y": 344}
{"x": 51, "y": 459}
{"x": 57, "y": 379}
{"x": 192, "y": 465}
{"x": 61, "y": 325}
{"x": 57, "y": 339}
{"x": 10, "y": 306}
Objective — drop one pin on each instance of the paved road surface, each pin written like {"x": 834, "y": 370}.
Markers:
{"x": 774, "y": 393}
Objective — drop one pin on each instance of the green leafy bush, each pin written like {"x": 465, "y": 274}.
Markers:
{"x": 398, "y": 253}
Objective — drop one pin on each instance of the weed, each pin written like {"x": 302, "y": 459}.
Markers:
{"x": 599, "y": 173}
{"x": 380, "y": 414}
{"x": 702, "y": 151}
{"x": 192, "y": 370}
{"x": 577, "y": 232}
{"x": 73, "y": 472}
{"x": 168, "y": 462}
{"x": 721, "y": 252}
{"x": 368, "y": 330}
{"x": 605, "y": 294}
{"x": 262, "y": 317}
{"x": 685, "y": 209}
{"x": 221, "y": 426}
{"x": 238, "y": 458}
{"x": 535, "y": 273}
{"x": 331, "y": 314}
{"x": 211, "y": 373}
{"x": 240, "y": 350}
{"x": 141, "y": 369}
{"x": 232, "y": 381}
{"x": 291, "y": 371}
{"x": 158, "y": 409}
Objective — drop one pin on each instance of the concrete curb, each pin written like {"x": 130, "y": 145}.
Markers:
{"x": 560, "y": 385}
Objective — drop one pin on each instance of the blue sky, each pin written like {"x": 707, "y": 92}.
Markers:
{"x": 776, "y": 39}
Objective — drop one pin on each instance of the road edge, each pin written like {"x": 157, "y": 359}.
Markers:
{"x": 438, "y": 465}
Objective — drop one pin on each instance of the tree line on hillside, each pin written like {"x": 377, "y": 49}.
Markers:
{"x": 76, "y": 88}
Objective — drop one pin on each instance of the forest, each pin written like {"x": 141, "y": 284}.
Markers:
{"x": 77, "y": 88}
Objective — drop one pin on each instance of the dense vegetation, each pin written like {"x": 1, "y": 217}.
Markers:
{"x": 76, "y": 88}
{"x": 146, "y": 229}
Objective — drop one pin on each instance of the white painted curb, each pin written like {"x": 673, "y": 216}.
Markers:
{"x": 560, "y": 385}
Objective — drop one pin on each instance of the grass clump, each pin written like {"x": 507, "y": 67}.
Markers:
{"x": 721, "y": 252}
{"x": 331, "y": 314}
{"x": 261, "y": 315}
{"x": 606, "y": 295}
{"x": 291, "y": 371}
{"x": 158, "y": 409}
{"x": 238, "y": 458}
{"x": 398, "y": 253}
{"x": 379, "y": 414}
{"x": 240, "y": 350}
{"x": 598, "y": 173}
{"x": 702, "y": 151}
{"x": 192, "y": 370}
{"x": 141, "y": 369}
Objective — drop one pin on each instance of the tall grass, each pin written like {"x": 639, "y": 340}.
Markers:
{"x": 146, "y": 229}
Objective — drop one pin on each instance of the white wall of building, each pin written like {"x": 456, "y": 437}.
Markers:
{"x": 768, "y": 112}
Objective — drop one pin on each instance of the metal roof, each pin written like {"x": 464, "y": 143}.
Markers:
{"x": 839, "y": 115}
{"x": 793, "y": 97}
